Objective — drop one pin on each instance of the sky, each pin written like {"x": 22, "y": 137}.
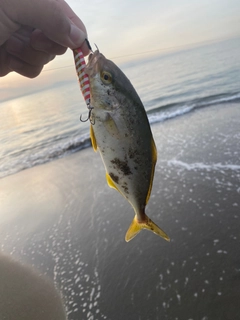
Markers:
{"x": 131, "y": 29}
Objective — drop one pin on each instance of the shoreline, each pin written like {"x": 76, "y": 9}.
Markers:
{"x": 74, "y": 144}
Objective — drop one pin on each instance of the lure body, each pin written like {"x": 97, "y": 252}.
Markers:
{"x": 82, "y": 76}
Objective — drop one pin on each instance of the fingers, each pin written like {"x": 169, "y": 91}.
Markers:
{"x": 18, "y": 48}
{"x": 34, "y": 31}
{"x": 20, "y": 56}
{"x": 4, "y": 62}
{"x": 40, "y": 42}
{"x": 54, "y": 18}
{"x": 10, "y": 63}
{"x": 24, "y": 68}
{"x": 75, "y": 21}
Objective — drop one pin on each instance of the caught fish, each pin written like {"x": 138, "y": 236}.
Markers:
{"x": 121, "y": 132}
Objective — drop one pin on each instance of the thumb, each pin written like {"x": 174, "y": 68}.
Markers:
{"x": 53, "y": 17}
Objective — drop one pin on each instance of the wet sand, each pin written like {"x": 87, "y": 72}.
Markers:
{"x": 65, "y": 221}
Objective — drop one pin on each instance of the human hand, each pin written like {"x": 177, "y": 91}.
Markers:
{"x": 33, "y": 32}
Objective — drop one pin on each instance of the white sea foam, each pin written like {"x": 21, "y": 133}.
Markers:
{"x": 203, "y": 166}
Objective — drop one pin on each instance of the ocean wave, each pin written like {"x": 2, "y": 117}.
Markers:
{"x": 169, "y": 111}
{"x": 61, "y": 146}
{"x": 169, "y": 114}
{"x": 43, "y": 155}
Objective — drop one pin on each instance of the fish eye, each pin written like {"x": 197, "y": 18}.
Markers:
{"x": 106, "y": 77}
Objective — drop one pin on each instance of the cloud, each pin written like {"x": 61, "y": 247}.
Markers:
{"x": 121, "y": 27}
{"x": 127, "y": 28}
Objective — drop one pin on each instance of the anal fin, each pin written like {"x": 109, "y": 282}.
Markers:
{"x": 111, "y": 182}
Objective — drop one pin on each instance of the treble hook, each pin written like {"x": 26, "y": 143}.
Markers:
{"x": 92, "y": 121}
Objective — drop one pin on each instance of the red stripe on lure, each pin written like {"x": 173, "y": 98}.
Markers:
{"x": 82, "y": 76}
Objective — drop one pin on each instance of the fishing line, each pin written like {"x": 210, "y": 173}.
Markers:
{"x": 144, "y": 52}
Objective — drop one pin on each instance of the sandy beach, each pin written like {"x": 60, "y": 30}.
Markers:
{"x": 65, "y": 221}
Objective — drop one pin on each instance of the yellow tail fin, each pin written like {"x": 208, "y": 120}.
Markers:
{"x": 148, "y": 224}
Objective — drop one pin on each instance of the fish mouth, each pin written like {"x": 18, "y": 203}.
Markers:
{"x": 95, "y": 63}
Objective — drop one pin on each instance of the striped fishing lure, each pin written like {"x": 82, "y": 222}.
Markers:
{"x": 82, "y": 76}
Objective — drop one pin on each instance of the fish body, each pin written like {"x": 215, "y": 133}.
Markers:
{"x": 121, "y": 132}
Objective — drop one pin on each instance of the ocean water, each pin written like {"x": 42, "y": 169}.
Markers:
{"x": 44, "y": 126}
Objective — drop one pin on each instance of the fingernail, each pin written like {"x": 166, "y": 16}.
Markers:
{"x": 76, "y": 36}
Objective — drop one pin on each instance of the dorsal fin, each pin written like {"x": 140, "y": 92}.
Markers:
{"x": 111, "y": 182}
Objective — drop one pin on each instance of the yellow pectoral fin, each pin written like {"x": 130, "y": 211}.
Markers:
{"x": 148, "y": 224}
{"x": 111, "y": 127}
{"x": 93, "y": 139}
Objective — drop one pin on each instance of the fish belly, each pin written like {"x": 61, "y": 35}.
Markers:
{"x": 128, "y": 160}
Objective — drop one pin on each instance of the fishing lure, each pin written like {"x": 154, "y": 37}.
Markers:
{"x": 83, "y": 79}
